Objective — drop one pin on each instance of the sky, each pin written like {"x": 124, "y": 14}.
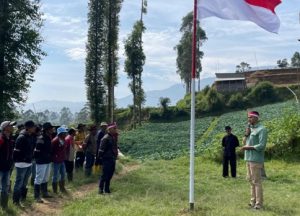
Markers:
{"x": 61, "y": 73}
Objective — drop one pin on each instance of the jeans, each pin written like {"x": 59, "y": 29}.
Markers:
{"x": 58, "y": 168}
{"x": 4, "y": 181}
{"x": 22, "y": 176}
{"x": 89, "y": 160}
{"x": 42, "y": 173}
{"x": 255, "y": 179}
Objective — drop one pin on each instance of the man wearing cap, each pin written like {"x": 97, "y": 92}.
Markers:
{"x": 58, "y": 158}
{"x": 23, "y": 155}
{"x": 79, "y": 139}
{"x": 254, "y": 156}
{"x": 90, "y": 146}
{"x": 229, "y": 143}
{"x": 42, "y": 154}
{"x": 101, "y": 133}
{"x": 6, "y": 159}
{"x": 108, "y": 153}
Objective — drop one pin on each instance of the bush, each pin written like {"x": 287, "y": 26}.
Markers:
{"x": 236, "y": 101}
{"x": 262, "y": 93}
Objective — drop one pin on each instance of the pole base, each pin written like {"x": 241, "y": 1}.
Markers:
{"x": 192, "y": 207}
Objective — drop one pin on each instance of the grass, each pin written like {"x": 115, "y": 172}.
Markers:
{"x": 161, "y": 188}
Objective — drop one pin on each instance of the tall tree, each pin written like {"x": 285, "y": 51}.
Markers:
{"x": 242, "y": 67}
{"x": 66, "y": 116}
{"x": 96, "y": 57}
{"x": 184, "y": 50}
{"x": 20, "y": 51}
{"x": 140, "y": 97}
{"x": 135, "y": 59}
{"x": 83, "y": 115}
{"x": 114, "y": 7}
{"x": 295, "y": 60}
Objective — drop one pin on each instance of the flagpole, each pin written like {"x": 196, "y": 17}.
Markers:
{"x": 192, "y": 129}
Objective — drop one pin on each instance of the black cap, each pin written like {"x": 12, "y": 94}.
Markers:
{"x": 80, "y": 125}
{"x": 47, "y": 125}
{"x": 29, "y": 124}
{"x": 227, "y": 127}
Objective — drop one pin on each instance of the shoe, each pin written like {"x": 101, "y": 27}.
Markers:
{"x": 257, "y": 207}
{"x": 39, "y": 200}
{"x": 251, "y": 204}
{"x": 101, "y": 192}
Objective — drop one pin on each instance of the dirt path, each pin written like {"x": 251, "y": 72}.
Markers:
{"x": 53, "y": 206}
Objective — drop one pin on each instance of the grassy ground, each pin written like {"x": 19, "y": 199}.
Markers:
{"x": 161, "y": 188}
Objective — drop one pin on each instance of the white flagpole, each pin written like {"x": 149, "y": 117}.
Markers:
{"x": 192, "y": 129}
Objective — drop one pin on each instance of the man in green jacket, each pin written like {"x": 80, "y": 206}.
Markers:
{"x": 254, "y": 155}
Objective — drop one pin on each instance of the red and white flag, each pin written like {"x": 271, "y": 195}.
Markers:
{"x": 261, "y": 12}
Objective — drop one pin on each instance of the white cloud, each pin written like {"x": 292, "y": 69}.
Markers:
{"x": 76, "y": 53}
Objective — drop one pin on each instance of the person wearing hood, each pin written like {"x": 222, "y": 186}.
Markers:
{"x": 58, "y": 158}
{"x": 6, "y": 160}
{"x": 42, "y": 155}
{"x": 23, "y": 155}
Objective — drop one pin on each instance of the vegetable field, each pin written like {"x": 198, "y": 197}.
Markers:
{"x": 170, "y": 140}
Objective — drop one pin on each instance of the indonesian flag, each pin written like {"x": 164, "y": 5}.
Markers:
{"x": 261, "y": 12}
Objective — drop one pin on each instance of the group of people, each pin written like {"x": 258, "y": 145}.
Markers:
{"x": 34, "y": 149}
{"x": 254, "y": 144}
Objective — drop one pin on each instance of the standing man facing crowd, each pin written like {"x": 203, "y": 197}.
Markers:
{"x": 229, "y": 143}
{"x": 254, "y": 156}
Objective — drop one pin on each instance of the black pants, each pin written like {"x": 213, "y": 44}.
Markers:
{"x": 79, "y": 159}
{"x": 108, "y": 169}
{"x": 69, "y": 166}
{"x": 232, "y": 161}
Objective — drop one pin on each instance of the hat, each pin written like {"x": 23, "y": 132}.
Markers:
{"x": 7, "y": 123}
{"x": 227, "y": 127}
{"x": 103, "y": 124}
{"x": 113, "y": 125}
{"x": 80, "y": 125}
{"x": 92, "y": 127}
{"x": 47, "y": 125}
{"x": 253, "y": 114}
{"x": 61, "y": 130}
{"x": 29, "y": 124}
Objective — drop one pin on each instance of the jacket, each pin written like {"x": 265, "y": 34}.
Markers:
{"x": 108, "y": 148}
{"x": 6, "y": 152}
{"x": 24, "y": 147}
{"x": 43, "y": 149}
{"x": 58, "y": 151}
{"x": 229, "y": 143}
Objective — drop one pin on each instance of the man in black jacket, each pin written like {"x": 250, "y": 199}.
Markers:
{"x": 108, "y": 152}
{"x": 6, "y": 161}
{"x": 22, "y": 155}
{"x": 229, "y": 143}
{"x": 42, "y": 154}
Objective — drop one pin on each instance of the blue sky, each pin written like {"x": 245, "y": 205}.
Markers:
{"x": 61, "y": 74}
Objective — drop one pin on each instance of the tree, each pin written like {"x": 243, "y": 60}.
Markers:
{"x": 184, "y": 50}
{"x": 66, "y": 116}
{"x": 114, "y": 7}
{"x": 135, "y": 59}
{"x": 164, "y": 103}
{"x": 295, "y": 60}
{"x": 83, "y": 116}
{"x": 20, "y": 51}
{"x": 96, "y": 59}
{"x": 283, "y": 63}
{"x": 242, "y": 67}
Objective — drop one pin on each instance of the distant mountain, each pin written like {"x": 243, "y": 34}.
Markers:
{"x": 175, "y": 93}
{"x": 54, "y": 105}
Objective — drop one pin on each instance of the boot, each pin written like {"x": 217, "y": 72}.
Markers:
{"x": 54, "y": 187}
{"x": 23, "y": 193}
{"x": 88, "y": 172}
{"x": 70, "y": 177}
{"x": 62, "y": 186}
{"x": 44, "y": 190}
{"x": 16, "y": 198}
{"x": 4, "y": 200}
{"x": 37, "y": 192}
{"x": 101, "y": 187}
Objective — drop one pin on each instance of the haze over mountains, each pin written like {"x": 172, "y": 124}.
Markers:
{"x": 175, "y": 93}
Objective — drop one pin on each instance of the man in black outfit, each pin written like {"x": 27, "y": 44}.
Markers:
{"x": 229, "y": 143}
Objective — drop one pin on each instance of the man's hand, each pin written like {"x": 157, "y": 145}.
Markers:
{"x": 247, "y": 148}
